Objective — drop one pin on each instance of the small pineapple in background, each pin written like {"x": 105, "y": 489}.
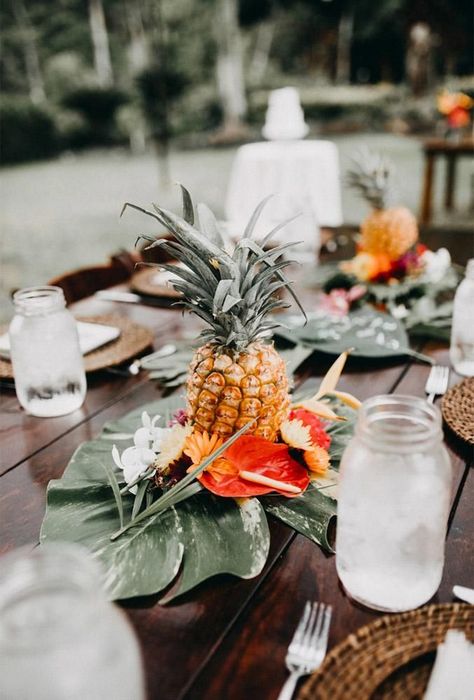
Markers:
{"x": 388, "y": 230}
{"x": 236, "y": 375}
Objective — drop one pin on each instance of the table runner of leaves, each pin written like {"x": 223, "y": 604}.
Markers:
{"x": 192, "y": 541}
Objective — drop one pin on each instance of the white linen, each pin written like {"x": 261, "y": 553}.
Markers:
{"x": 303, "y": 176}
{"x": 452, "y": 677}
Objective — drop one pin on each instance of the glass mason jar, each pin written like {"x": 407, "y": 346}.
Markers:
{"x": 393, "y": 504}
{"x": 45, "y": 353}
{"x": 59, "y": 636}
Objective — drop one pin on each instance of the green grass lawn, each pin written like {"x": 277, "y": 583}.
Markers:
{"x": 62, "y": 214}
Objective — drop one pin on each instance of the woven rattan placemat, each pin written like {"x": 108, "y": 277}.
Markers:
{"x": 457, "y": 407}
{"x": 133, "y": 339}
{"x": 390, "y": 659}
{"x": 143, "y": 283}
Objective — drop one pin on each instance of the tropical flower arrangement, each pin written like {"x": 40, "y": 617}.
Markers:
{"x": 455, "y": 108}
{"x": 164, "y": 463}
{"x": 187, "y": 497}
{"x": 391, "y": 269}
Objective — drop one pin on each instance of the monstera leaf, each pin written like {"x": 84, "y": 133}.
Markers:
{"x": 195, "y": 540}
{"x": 371, "y": 333}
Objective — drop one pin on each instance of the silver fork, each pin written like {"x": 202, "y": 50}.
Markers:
{"x": 437, "y": 382}
{"x": 308, "y": 647}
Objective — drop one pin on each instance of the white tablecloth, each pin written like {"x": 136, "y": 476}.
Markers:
{"x": 303, "y": 176}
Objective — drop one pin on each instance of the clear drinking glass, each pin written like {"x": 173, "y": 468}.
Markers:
{"x": 462, "y": 333}
{"x": 393, "y": 504}
{"x": 47, "y": 361}
{"x": 60, "y": 639}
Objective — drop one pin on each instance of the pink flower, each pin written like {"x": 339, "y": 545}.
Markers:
{"x": 180, "y": 417}
{"x": 338, "y": 302}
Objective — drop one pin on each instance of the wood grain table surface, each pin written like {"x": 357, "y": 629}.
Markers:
{"x": 227, "y": 639}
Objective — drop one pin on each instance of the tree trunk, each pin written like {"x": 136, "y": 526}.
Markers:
{"x": 261, "y": 53}
{"x": 100, "y": 43}
{"x": 30, "y": 52}
{"x": 161, "y": 129}
{"x": 344, "y": 43}
{"x": 230, "y": 79}
{"x": 138, "y": 53}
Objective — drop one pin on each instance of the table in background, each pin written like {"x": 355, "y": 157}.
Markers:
{"x": 302, "y": 175}
{"x": 227, "y": 638}
{"x": 451, "y": 150}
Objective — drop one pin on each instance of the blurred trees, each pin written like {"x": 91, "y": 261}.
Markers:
{"x": 192, "y": 65}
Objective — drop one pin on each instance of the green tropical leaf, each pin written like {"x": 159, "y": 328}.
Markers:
{"x": 371, "y": 333}
{"x": 221, "y": 537}
{"x": 82, "y": 509}
{"x": 218, "y": 535}
{"x": 312, "y": 514}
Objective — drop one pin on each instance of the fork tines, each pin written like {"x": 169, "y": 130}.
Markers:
{"x": 312, "y": 631}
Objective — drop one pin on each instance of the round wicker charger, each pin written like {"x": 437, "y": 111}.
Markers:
{"x": 390, "y": 659}
{"x": 144, "y": 282}
{"x": 457, "y": 407}
{"x": 133, "y": 339}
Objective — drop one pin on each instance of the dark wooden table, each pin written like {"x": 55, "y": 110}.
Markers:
{"x": 451, "y": 150}
{"x": 228, "y": 638}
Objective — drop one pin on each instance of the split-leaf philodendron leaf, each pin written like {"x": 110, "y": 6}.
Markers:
{"x": 185, "y": 545}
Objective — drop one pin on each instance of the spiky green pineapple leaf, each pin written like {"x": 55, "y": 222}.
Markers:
{"x": 208, "y": 225}
{"x": 188, "y": 209}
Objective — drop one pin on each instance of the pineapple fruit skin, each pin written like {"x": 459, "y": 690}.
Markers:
{"x": 391, "y": 231}
{"x": 226, "y": 389}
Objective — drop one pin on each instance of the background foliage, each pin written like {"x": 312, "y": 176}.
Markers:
{"x": 103, "y": 72}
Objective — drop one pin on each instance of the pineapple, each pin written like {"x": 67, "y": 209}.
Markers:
{"x": 236, "y": 375}
{"x": 387, "y": 230}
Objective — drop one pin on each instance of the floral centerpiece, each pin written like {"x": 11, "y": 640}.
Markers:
{"x": 192, "y": 491}
{"x": 455, "y": 108}
{"x": 391, "y": 268}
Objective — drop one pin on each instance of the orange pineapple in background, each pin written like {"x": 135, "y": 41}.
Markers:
{"x": 389, "y": 231}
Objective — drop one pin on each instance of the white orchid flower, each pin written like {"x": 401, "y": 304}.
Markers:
{"x": 150, "y": 436}
{"x": 134, "y": 461}
{"x": 436, "y": 264}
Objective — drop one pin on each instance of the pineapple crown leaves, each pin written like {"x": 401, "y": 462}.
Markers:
{"x": 232, "y": 292}
{"x": 371, "y": 175}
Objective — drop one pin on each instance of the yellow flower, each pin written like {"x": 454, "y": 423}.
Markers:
{"x": 198, "y": 446}
{"x": 295, "y": 434}
{"x": 172, "y": 446}
{"x": 317, "y": 460}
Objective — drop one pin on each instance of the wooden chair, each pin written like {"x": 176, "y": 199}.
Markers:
{"x": 83, "y": 282}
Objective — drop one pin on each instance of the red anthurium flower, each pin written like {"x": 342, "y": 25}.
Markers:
{"x": 253, "y": 466}
{"x": 316, "y": 428}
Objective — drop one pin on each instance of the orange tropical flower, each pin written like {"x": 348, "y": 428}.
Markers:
{"x": 366, "y": 266}
{"x": 198, "y": 446}
{"x": 253, "y": 466}
{"x": 458, "y": 118}
{"x": 449, "y": 101}
{"x": 317, "y": 460}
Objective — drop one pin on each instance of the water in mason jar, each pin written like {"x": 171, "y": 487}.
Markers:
{"x": 60, "y": 638}
{"x": 391, "y": 529}
{"x": 101, "y": 663}
{"x": 49, "y": 378}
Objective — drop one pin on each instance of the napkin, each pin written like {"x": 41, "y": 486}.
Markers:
{"x": 91, "y": 337}
{"x": 452, "y": 677}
